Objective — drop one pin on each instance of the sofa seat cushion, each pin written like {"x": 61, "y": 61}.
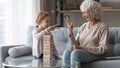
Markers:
{"x": 20, "y": 61}
{"x": 103, "y": 64}
{"x": 19, "y": 51}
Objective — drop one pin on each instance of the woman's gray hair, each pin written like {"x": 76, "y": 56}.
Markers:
{"x": 93, "y": 7}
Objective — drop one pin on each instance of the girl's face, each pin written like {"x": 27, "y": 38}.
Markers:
{"x": 45, "y": 22}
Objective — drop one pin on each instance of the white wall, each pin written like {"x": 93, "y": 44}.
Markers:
{"x": 112, "y": 18}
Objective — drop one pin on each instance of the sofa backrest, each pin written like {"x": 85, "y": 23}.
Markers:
{"x": 114, "y": 41}
{"x": 29, "y": 37}
{"x": 62, "y": 41}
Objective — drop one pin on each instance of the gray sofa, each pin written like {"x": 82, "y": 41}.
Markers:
{"x": 62, "y": 42}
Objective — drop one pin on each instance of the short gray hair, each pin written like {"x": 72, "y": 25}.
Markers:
{"x": 93, "y": 7}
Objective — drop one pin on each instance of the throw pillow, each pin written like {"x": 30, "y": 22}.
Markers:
{"x": 19, "y": 51}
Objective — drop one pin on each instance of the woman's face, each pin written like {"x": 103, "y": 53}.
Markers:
{"x": 86, "y": 15}
{"x": 45, "y": 22}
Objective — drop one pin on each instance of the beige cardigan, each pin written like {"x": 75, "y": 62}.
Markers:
{"x": 94, "y": 39}
{"x": 38, "y": 42}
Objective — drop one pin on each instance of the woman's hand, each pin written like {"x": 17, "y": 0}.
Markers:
{"x": 75, "y": 47}
{"x": 50, "y": 28}
{"x": 68, "y": 23}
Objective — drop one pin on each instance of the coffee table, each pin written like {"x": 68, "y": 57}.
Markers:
{"x": 38, "y": 64}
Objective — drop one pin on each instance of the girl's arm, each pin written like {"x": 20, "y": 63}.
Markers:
{"x": 39, "y": 34}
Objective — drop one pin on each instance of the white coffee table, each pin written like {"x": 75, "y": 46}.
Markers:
{"x": 37, "y": 64}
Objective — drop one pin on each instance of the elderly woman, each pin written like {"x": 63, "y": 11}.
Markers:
{"x": 90, "y": 43}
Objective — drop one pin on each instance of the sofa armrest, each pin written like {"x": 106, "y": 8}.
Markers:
{"x": 4, "y": 51}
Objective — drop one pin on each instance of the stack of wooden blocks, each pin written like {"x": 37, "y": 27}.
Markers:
{"x": 46, "y": 50}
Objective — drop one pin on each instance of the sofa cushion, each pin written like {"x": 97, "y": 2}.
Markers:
{"x": 114, "y": 42}
{"x": 117, "y": 50}
{"x": 75, "y": 30}
{"x": 60, "y": 39}
{"x": 29, "y": 37}
{"x": 111, "y": 38}
{"x": 110, "y": 50}
{"x": 117, "y": 36}
{"x": 60, "y": 34}
{"x": 19, "y": 51}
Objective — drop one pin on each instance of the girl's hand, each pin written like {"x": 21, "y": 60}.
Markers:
{"x": 50, "y": 28}
{"x": 58, "y": 58}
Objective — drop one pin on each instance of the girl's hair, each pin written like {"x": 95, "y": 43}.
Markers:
{"x": 93, "y": 7}
{"x": 40, "y": 16}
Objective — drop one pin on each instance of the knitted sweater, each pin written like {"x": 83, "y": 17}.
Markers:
{"x": 94, "y": 39}
{"x": 38, "y": 42}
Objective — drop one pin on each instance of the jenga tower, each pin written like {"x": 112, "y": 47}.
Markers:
{"x": 46, "y": 50}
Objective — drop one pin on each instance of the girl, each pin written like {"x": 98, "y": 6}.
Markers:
{"x": 42, "y": 28}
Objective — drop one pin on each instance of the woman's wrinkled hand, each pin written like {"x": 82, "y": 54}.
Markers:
{"x": 68, "y": 23}
{"x": 75, "y": 47}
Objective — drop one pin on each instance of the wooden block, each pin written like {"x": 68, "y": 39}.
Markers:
{"x": 46, "y": 64}
{"x": 46, "y": 50}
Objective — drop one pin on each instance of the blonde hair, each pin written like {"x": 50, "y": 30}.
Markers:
{"x": 40, "y": 16}
{"x": 93, "y": 7}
